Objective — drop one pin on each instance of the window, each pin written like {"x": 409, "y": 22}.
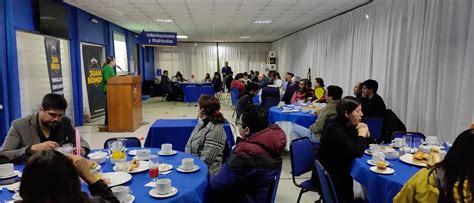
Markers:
{"x": 120, "y": 51}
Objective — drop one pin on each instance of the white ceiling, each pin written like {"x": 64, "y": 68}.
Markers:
{"x": 218, "y": 20}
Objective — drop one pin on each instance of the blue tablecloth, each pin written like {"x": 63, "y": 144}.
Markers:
{"x": 382, "y": 188}
{"x": 177, "y": 132}
{"x": 192, "y": 92}
{"x": 303, "y": 119}
{"x": 191, "y": 186}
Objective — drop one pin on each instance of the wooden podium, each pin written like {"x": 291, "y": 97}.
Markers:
{"x": 124, "y": 103}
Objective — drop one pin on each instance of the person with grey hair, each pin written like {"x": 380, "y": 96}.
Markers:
{"x": 291, "y": 90}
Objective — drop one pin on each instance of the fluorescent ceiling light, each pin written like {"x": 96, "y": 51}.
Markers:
{"x": 160, "y": 20}
{"x": 182, "y": 37}
{"x": 262, "y": 21}
{"x": 244, "y": 37}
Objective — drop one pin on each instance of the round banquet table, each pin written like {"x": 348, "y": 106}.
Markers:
{"x": 382, "y": 188}
{"x": 191, "y": 186}
{"x": 303, "y": 119}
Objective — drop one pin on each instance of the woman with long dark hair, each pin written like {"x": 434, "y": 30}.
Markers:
{"x": 341, "y": 142}
{"x": 208, "y": 138}
{"x": 319, "y": 90}
{"x": 217, "y": 82}
{"x": 207, "y": 79}
{"x": 451, "y": 180}
{"x": 245, "y": 98}
{"x": 50, "y": 176}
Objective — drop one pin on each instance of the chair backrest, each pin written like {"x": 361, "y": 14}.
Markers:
{"x": 327, "y": 188}
{"x": 234, "y": 94}
{"x": 129, "y": 141}
{"x": 274, "y": 187}
{"x": 302, "y": 156}
{"x": 269, "y": 103}
{"x": 400, "y": 134}
{"x": 226, "y": 153}
{"x": 375, "y": 126}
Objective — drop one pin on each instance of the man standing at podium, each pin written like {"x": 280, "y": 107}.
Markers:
{"x": 107, "y": 72}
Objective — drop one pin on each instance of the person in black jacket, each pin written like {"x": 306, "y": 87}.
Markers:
{"x": 342, "y": 141}
{"x": 217, "y": 82}
{"x": 246, "y": 98}
{"x": 50, "y": 176}
{"x": 290, "y": 90}
{"x": 372, "y": 103}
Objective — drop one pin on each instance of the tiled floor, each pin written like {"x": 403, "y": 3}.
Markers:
{"x": 154, "y": 109}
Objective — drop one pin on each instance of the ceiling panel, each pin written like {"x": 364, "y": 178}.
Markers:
{"x": 218, "y": 20}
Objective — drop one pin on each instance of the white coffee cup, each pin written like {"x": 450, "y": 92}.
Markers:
{"x": 121, "y": 192}
{"x": 286, "y": 109}
{"x": 143, "y": 153}
{"x": 378, "y": 156}
{"x": 166, "y": 148}
{"x": 431, "y": 140}
{"x": 397, "y": 142}
{"x": 163, "y": 186}
{"x": 281, "y": 104}
{"x": 187, "y": 163}
{"x": 6, "y": 169}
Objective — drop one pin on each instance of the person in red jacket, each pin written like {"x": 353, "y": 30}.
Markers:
{"x": 249, "y": 172}
{"x": 238, "y": 83}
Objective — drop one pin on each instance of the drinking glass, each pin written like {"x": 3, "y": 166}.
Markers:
{"x": 417, "y": 142}
{"x": 407, "y": 143}
{"x": 154, "y": 165}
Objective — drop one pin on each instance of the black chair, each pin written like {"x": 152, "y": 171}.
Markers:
{"x": 129, "y": 141}
{"x": 302, "y": 156}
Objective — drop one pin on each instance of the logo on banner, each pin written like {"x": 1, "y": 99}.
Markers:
{"x": 158, "y": 38}
{"x": 53, "y": 59}
{"x": 95, "y": 73}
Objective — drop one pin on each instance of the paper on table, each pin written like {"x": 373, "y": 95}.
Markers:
{"x": 78, "y": 142}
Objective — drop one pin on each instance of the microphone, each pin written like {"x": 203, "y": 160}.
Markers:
{"x": 128, "y": 73}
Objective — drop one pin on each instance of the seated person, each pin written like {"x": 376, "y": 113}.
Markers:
{"x": 50, "y": 176}
{"x": 448, "y": 181}
{"x": 246, "y": 98}
{"x": 165, "y": 83}
{"x": 250, "y": 170}
{"x": 291, "y": 88}
{"x": 208, "y": 138}
{"x": 217, "y": 82}
{"x": 262, "y": 80}
{"x": 207, "y": 79}
{"x": 45, "y": 130}
{"x": 303, "y": 93}
{"x": 319, "y": 91}
{"x": 372, "y": 103}
{"x": 193, "y": 79}
{"x": 358, "y": 90}
{"x": 327, "y": 113}
{"x": 238, "y": 83}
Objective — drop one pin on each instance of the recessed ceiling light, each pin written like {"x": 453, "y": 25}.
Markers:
{"x": 182, "y": 37}
{"x": 367, "y": 16}
{"x": 244, "y": 37}
{"x": 262, "y": 21}
{"x": 161, "y": 20}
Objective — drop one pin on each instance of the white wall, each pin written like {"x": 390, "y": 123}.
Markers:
{"x": 33, "y": 72}
{"x": 421, "y": 53}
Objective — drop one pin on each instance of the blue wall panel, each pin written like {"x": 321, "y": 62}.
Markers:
{"x": 149, "y": 73}
{"x": 89, "y": 31}
{"x": 24, "y": 13}
{"x": 4, "y": 122}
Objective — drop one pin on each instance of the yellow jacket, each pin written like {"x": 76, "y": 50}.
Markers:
{"x": 421, "y": 188}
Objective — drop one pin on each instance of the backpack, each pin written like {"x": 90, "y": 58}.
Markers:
{"x": 391, "y": 124}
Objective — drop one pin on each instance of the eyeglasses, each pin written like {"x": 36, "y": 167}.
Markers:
{"x": 54, "y": 115}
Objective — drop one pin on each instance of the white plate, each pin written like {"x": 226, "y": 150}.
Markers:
{"x": 132, "y": 152}
{"x": 440, "y": 146}
{"x": 15, "y": 173}
{"x": 142, "y": 167}
{"x": 294, "y": 110}
{"x": 387, "y": 171}
{"x": 173, "y": 152}
{"x": 181, "y": 169}
{"x": 155, "y": 194}
{"x": 370, "y": 162}
{"x": 144, "y": 158}
{"x": 408, "y": 158}
{"x": 98, "y": 167}
{"x": 117, "y": 178}
{"x": 368, "y": 152}
{"x": 14, "y": 187}
{"x": 165, "y": 167}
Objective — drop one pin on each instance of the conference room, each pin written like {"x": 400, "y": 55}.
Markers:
{"x": 236, "y": 100}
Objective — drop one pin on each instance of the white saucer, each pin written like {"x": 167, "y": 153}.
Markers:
{"x": 132, "y": 152}
{"x": 181, "y": 169}
{"x": 370, "y": 162}
{"x": 14, "y": 187}
{"x": 98, "y": 167}
{"x": 387, "y": 171}
{"x": 368, "y": 152}
{"x": 173, "y": 152}
{"x": 165, "y": 167}
{"x": 15, "y": 173}
{"x": 153, "y": 193}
